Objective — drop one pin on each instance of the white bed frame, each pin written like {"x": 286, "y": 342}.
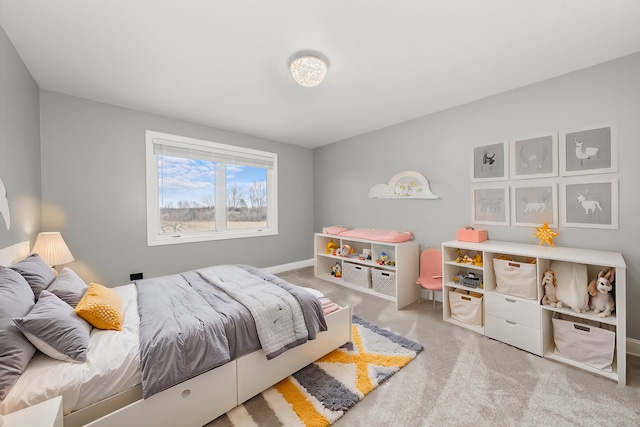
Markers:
{"x": 204, "y": 398}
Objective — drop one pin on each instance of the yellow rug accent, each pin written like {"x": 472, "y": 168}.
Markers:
{"x": 320, "y": 393}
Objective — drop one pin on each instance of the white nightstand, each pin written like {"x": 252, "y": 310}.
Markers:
{"x": 45, "y": 414}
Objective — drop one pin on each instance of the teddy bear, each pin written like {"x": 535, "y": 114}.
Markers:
{"x": 600, "y": 299}
{"x": 549, "y": 284}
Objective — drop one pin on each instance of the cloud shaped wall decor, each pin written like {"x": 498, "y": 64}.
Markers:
{"x": 404, "y": 185}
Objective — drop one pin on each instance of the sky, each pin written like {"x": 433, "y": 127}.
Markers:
{"x": 193, "y": 180}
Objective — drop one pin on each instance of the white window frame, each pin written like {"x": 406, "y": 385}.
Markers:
{"x": 221, "y": 232}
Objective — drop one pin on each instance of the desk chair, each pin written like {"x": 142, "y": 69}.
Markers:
{"x": 431, "y": 272}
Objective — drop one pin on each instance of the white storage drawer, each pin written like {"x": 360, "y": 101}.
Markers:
{"x": 515, "y": 334}
{"x": 513, "y": 309}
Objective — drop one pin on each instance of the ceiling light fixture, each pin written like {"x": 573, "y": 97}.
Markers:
{"x": 308, "y": 70}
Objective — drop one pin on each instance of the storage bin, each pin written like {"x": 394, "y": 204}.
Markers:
{"x": 383, "y": 281}
{"x": 584, "y": 343}
{"x": 471, "y": 235}
{"x": 355, "y": 274}
{"x": 466, "y": 308}
{"x": 516, "y": 278}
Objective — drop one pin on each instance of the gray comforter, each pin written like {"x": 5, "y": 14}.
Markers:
{"x": 189, "y": 324}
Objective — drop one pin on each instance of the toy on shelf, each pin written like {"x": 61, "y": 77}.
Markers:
{"x": 347, "y": 250}
{"x": 466, "y": 259}
{"x": 336, "y": 270}
{"x": 384, "y": 260}
{"x": 549, "y": 286}
{"x": 331, "y": 247}
{"x": 477, "y": 260}
{"x": 600, "y": 299}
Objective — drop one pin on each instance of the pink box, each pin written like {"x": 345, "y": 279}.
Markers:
{"x": 466, "y": 235}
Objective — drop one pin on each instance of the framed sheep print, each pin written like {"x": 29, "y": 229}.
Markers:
{"x": 490, "y": 204}
{"x": 490, "y": 162}
{"x": 534, "y": 203}
{"x": 589, "y": 150}
{"x": 590, "y": 203}
{"x": 534, "y": 157}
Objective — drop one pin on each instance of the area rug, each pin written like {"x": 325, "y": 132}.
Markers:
{"x": 319, "y": 394}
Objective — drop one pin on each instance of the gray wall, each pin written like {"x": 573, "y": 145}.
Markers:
{"x": 93, "y": 189}
{"x": 19, "y": 146}
{"x": 440, "y": 147}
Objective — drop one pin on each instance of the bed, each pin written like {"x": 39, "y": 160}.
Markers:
{"x": 107, "y": 389}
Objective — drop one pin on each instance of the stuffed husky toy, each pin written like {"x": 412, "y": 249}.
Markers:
{"x": 600, "y": 299}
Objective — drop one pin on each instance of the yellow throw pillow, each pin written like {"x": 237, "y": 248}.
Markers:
{"x": 102, "y": 307}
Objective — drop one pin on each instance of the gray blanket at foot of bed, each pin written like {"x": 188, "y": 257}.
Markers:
{"x": 188, "y": 325}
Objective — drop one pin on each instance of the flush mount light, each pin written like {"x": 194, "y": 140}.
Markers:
{"x": 308, "y": 70}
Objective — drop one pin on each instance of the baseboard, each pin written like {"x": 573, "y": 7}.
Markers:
{"x": 633, "y": 347}
{"x": 291, "y": 266}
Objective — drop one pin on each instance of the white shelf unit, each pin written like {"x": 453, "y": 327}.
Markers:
{"x": 530, "y": 323}
{"x": 406, "y": 272}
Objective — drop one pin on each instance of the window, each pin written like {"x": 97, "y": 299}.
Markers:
{"x": 199, "y": 190}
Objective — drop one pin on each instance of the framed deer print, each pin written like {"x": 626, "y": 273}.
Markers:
{"x": 534, "y": 157}
{"x": 590, "y": 203}
{"x": 534, "y": 203}
{"x": 490, "y": 162}
{"x": 589, "y": 150}
{"x": 490, "y": 204}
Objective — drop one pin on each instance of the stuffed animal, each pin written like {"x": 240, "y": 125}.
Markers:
{"x": 600, "y": 299}
{"x": 477, "y": 260}
{"x": 331, "y": 247}
{"x": 336, "y": 270}
{"x": 549, "y": 285}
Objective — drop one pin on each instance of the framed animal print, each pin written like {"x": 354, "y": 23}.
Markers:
{"x": 490, "y": 204}
{"x": 589, "y": 150}
{"x": 534, "y": 157}
{"x": 590, "y": 203}
{"x": 490, "y": 162}
{"x": 534, "y": 203}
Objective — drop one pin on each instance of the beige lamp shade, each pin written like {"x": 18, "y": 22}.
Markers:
{"x": 52, "y": 248}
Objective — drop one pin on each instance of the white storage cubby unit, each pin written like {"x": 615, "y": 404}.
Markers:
{"x": 523, "y": 322}
{"x": 402, "y": 289}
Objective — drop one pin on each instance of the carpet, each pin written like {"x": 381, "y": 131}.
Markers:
{"x": 319, "y": 394}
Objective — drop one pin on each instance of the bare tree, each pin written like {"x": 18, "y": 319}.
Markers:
{"x": 235, "y": 195}
{"x": 258, "y": 198}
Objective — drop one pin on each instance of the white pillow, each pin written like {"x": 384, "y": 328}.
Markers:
{"x": 571, "y": 285}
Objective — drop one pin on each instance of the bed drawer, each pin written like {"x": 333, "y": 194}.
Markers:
{"x": 515, "y": 334}
{"x": 513, "y": 309}
{"x": 194, "y": 402}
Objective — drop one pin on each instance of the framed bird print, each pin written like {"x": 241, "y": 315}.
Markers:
{"x": 534, "y": 157}
{"x": 490, "y": 162}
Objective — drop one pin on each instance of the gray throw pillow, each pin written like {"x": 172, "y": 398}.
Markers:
{"x": 69, "y": 287}
{"x": 37, "y": 273}
{"x": 16, "y": 299}
{"x": 55, "y": 329}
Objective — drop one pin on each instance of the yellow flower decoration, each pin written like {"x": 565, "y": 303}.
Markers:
{"x": 545, "y": 234}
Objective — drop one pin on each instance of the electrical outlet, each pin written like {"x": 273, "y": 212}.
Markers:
{"x": 135, "y": 276}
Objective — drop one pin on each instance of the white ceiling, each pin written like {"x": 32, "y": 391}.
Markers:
{"x": 224, "y": 63}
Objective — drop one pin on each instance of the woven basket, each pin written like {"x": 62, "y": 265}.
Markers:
{"x": 355, "y": 274}
{"x": 384, "y": 281}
